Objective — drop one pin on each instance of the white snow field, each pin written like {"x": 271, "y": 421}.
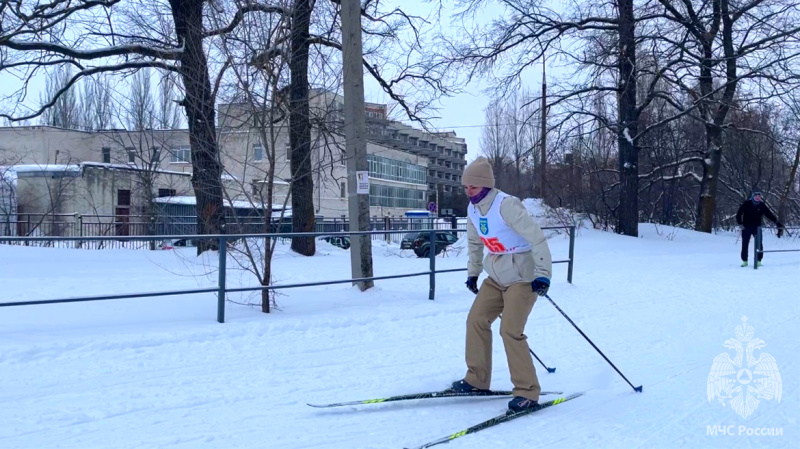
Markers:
{"x": 162, "y": 373}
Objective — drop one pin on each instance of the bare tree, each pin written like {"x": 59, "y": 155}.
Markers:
{"x": 102, "y": 102}
{"x": 314, "y": 44}
{"x": 496, "y": 139}
{"x": 140, "y": 107}
{"x": 792, "y": 101}
{"x": 108, "y": 36}
{"x": 254, "y": 126}
{"x": 167, "y": 112}
{"x": 726, "y": 45}
{"x": 65, "y": 112}
{"x": 519, "y": 38}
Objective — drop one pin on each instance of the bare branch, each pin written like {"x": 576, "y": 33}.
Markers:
{"x": 121, "y": 50}
{"x": 86, "y": 73}
{"x": 248, "y": 7}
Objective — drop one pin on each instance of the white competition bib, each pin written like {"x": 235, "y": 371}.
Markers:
{"x": 493, "y": 230}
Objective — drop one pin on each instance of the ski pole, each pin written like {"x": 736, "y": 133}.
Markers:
{"x": 636, "y": 389}
{"x": 549, "y": 370}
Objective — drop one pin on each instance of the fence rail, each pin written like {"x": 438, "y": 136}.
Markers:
{"x": 758, "y": 245}
{"x": 223, "y": 240}
{"x": 175, "y": 228}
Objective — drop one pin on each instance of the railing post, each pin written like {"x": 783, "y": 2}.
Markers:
{"x": 79, "y": 223}
{"x": 432, "y": 258}
{"x": 223, "y": 244}
{"x": 571, "y": 253}
{"x": 757, "y": 244}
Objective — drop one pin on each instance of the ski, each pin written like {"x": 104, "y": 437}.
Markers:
{"x": 427, "y": 395}
{"x": 508, "y": 416}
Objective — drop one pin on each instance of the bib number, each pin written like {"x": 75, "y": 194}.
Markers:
{"x": 493, "y": 244}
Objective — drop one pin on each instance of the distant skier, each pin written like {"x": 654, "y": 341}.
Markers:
{"x": 749, "y": 217}
{"x": 518, "y": 267}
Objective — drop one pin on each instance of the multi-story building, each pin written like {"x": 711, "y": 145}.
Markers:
{"x": 445, "y": 152}
{"x": 398, "y": 179}
{"x": 408, "y": 167}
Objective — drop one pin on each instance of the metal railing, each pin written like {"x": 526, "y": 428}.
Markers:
{"x": 758, "y": 248}
{"x": 177, "y": 226}
{"x": 223, "y": 241}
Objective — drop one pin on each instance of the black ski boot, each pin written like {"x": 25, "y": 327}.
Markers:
{"x": 520, "y": 403}
{"x": 461, "y": 386}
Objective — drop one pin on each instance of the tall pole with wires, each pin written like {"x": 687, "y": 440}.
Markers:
{"x": 356, "y": 143}
{"x": 543, "y": 148}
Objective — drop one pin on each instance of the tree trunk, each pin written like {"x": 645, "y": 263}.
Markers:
{"x": 302, "y": 189}
{"x": 628, "y": 212}
{"x": 707, "y": 204}
{"x": 199, "y": 105}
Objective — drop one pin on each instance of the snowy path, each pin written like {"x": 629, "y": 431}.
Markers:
{"x": 161, "y": 373}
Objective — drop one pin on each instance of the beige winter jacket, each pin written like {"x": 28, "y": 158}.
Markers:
{"x": 507, "y": 269}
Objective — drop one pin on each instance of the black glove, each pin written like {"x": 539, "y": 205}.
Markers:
{"x": 780, "y": 230}
{"x": 472, "y": 284}
{"x": 540, "y": 285}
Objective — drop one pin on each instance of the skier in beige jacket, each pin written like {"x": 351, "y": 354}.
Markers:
{"x": 519, "y": 268}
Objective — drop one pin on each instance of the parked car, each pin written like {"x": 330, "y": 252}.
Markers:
{"x": 342, "y": 241}
{"x": 419, "y": 242}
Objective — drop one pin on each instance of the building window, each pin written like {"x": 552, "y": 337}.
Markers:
{"x": 288, "y": 151}
{"x": 394, "y": 170}
{"x": 155, "y": 155}
{"x": 390, "y": 196}
{"x": 123, "y": 197}
{"x": 166, "y": 192}
{"x": 342, "y": 189}
{"x": 131, "y": 154}
{"x": 107, "y": 155}
{"x": 258, "y": 153}
{"x": 181, "y": 155}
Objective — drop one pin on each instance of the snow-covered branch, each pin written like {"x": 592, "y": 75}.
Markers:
{"x": 99, "y": 53}
{"x": 679, "y": 163}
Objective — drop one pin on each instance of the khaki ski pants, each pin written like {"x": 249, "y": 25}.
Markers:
{"x": 515, "y": 303}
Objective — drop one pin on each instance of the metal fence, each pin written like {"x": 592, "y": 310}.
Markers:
{"x": 174, "y": 229}
{"x": 223, "y": 241}
{"x": 758, "y": 245}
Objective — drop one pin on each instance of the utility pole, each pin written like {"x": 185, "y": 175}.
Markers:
{"x": 355, "y": 130}
{"x": 543, "y": 149}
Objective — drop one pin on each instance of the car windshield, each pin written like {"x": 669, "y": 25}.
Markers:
{"x": 410, "y": 236}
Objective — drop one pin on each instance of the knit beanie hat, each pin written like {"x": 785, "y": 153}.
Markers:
{"x": 479, "y": 173}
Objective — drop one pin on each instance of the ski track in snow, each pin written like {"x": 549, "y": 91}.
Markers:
{"x": 161, "y": 373}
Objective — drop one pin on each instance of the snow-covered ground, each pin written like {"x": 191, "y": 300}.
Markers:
{"x": 162, "y": 373}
